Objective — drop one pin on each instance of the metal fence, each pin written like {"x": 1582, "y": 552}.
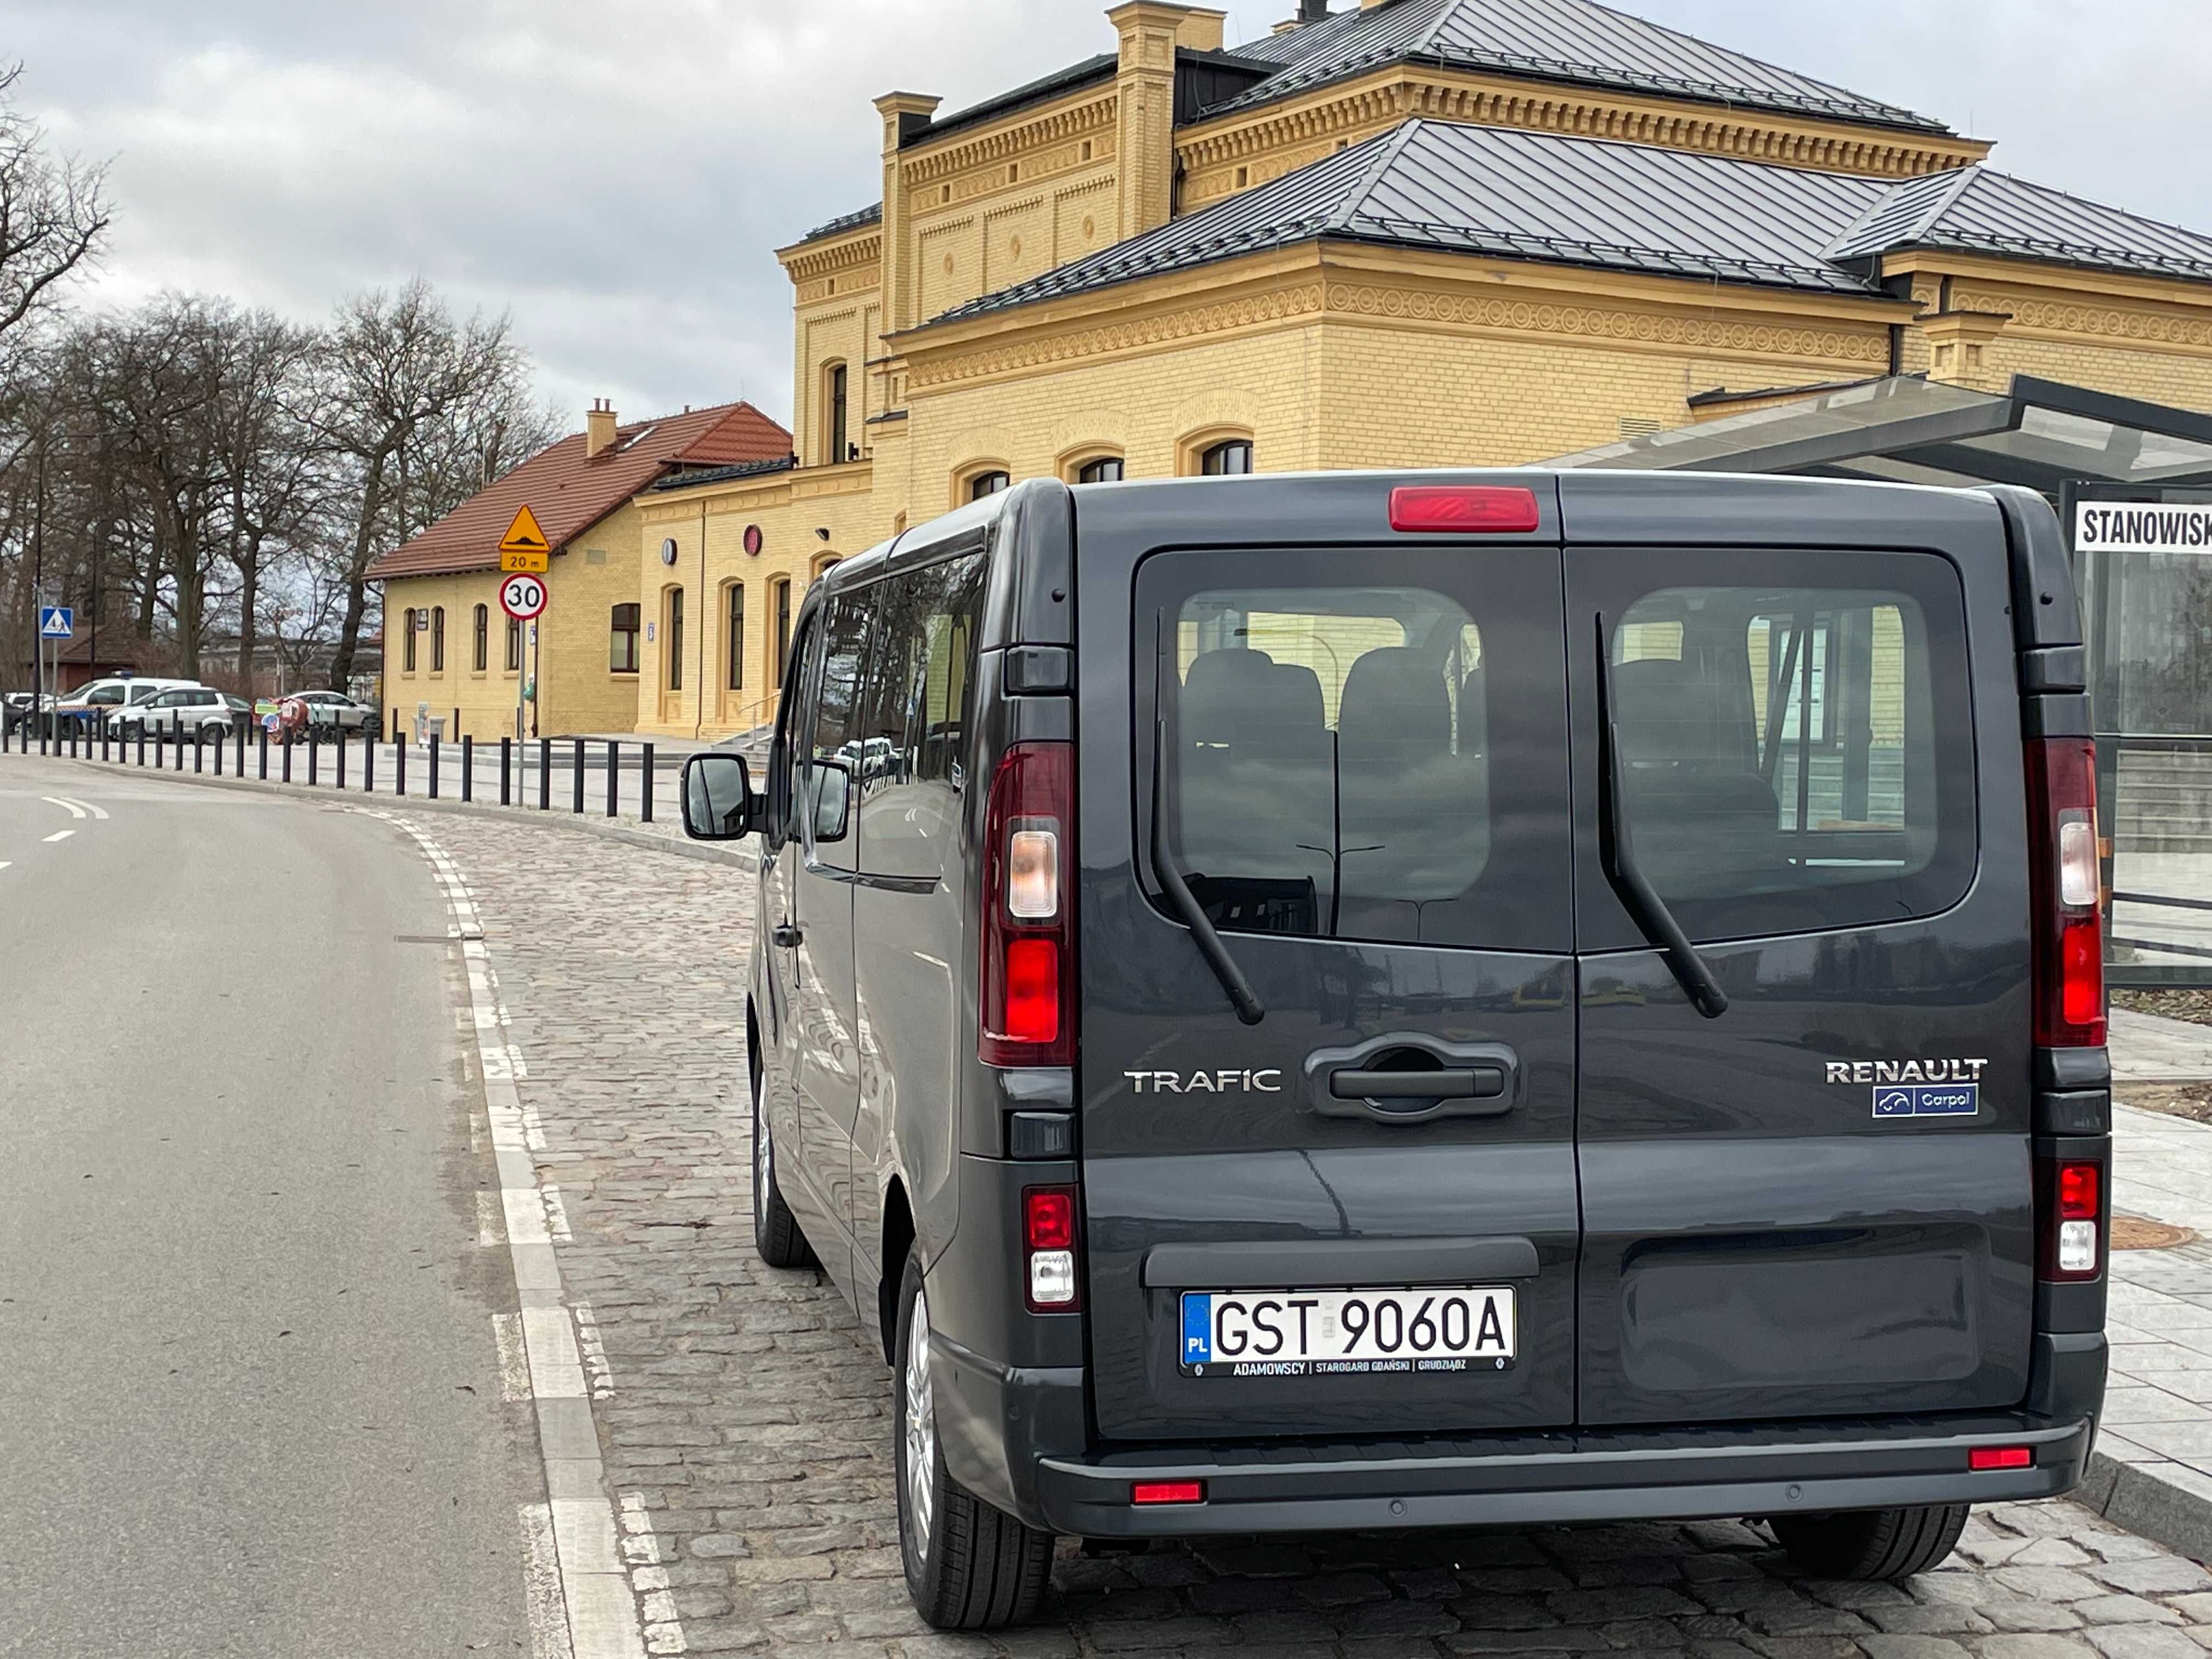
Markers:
{"x": 575, "y": 775}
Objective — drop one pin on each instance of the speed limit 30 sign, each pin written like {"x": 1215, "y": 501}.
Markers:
{"x": 523, "y": 597}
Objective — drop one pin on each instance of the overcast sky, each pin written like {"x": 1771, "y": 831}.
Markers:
{"x": 617, "y": 172}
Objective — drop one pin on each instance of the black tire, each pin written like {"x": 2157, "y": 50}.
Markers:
{"x": 1880, "y": 1546}
{"x": 969, "y": 1566}
{"x": 776, "y": 1232}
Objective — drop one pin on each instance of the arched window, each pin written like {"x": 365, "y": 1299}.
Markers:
{"x": 622, "y": 630}
{"x": 513, "y": 646}
{"x": 988, "y": 484}
{"x": 672, "y": 640}
{"x": 734, "y": 635}
{"x": 407, "y": 639}
{"x": 438, "y": 640}
{"x": 482, "y": 659}
{"x": 836, "y": 387}
{"x": 826, "y": 564}
{"x": 1103, "y": 468}
{"x": 1230, "y": 458}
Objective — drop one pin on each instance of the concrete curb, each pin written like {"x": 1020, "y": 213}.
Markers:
{"x": 2165, "y": 1502}
{"x": 698, "y": 852}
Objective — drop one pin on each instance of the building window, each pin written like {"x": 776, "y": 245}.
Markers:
{"x": 736, "y": 635}
{"x": 1228, "y": 460}
{"x": 988, "y": 484}
{"x": 407, "y": 636}
{"x": 438, "y": 640}
{"x": 1107, "y": 469}
{"x": 482, "y": 659}
{"x": 672, "y": 647}
{"x": 621, "y": 655}
{"x": 835, "y": 393}
{"x": 783, "y": 630}
{"x": 513, "y": 646}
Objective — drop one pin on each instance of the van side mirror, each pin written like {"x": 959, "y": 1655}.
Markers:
{"x": 718, "y": 798}
{"x": 833, "y": 800}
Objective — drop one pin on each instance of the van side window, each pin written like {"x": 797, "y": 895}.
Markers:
{"x": 833, "y": 699}
{"x": 915, "y": 720}
{"x": 1799, "y": 758}
{"x": 1342, "y": 766}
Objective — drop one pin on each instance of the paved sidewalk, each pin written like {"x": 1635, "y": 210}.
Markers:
{"x": 744, "y": 1414}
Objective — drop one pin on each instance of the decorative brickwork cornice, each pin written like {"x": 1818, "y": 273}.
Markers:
{"x": 1603, "y": 325}
{"x": 2097, "y": 318}
{"x": 813, "y": 261}
{"x": 1086, "y": 118}
{"x": 1276, "y": 139}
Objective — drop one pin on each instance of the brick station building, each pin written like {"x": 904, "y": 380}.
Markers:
{"x": 1414, "y": 233}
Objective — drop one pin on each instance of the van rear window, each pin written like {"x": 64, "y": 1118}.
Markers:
{"x": 1799, "y": 758}
{"x": 1342, "y": 769}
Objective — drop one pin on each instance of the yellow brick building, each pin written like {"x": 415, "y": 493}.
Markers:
{"x": 1414, "y": 233}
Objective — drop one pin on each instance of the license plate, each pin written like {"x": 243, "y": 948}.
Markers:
{"x": 1266, "y": 1333}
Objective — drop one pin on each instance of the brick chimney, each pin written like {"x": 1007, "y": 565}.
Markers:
{"x": 598, "y": 427}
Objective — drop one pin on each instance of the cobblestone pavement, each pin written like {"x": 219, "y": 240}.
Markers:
{"x": 743, "y": 1412}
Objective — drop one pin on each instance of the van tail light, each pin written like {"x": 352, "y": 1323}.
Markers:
{"x": 1465, "y": 510}
{"x": 2064, "y": 878}
{"x": 1048, "y": 1249}
{"x": 1029, "y": 909}
{"x": 2070, "y": 1220}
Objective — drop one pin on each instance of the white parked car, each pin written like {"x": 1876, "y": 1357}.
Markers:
{"x": 186, "y": 709}
{"x": 335, "y": 708}
{"x": 110, "y": 698}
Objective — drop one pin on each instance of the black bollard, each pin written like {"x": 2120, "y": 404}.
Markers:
{"x": 544, "y": 774}
{"x": 505, "y": 771}
{"x": 645, "y": 770}
{"x": 434, "y": 766}
{"x": 614, "y": 780}
{"x": 263, "y": 736}
{"x": 314, "y": 755}
{"x": 579, "y": 779}
{"x": 287, "y": 760}
{"x": 468, "y": 768}
{"x": 369, "y": 735}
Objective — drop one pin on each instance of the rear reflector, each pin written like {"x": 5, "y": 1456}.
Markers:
{"x": 1464, "y": 509}
{"x": 1050, "y": 1218}
{"x": 1147, "y": 1493}
{"x": 1983, "y": 1459}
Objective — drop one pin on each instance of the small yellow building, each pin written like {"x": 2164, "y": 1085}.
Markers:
{"x": 1414, "y": 233}
{"x": 453, "y": 653}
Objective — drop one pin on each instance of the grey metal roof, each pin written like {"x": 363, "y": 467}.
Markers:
{"x": 1535, "y": 195}
{"x": 1098, "y": 68}
{"x": 1554, "y": 39}
{"x": 1979, "y": 210}
{"x": 726, "y": 474}
{"x": 844, "y": 222}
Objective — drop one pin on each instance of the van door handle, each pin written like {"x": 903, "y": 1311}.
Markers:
{"x": 1481, "y": 1083}
{"x": 789, "y": 936}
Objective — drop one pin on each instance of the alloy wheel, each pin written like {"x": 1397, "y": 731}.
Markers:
{"x": 920, "y": 1431}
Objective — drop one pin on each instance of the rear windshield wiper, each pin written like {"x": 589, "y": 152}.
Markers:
{"x": 1617, "y": 848}
{"x": 1250, "y": 1008}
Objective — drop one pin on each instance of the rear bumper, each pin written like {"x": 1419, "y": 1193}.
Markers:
{"x": 1019, "y": 1440}
{"x": 1585, "y": 1478}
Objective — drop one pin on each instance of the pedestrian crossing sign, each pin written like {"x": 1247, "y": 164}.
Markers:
{"x": 57, "y": 622}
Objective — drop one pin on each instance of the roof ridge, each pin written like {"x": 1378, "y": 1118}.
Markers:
{"x": 1839, "y": 245}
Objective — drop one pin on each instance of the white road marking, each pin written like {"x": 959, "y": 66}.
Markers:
{"x": 540, "y": 1356}
{"x": 59, "y": 835}
{"x": 69, "y": 806}
{"x": 5, "y": 865}
{"x": 69, "y": 801}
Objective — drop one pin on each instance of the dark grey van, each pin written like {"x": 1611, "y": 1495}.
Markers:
{"x": 1436, "y": 1001}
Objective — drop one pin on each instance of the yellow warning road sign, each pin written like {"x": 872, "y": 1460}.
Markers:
{"x": 523, "y": 550}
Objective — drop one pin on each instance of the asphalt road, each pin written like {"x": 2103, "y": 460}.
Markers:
{"x": 250, "y": 1392}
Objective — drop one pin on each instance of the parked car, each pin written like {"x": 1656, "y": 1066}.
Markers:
{"x": 334, "y": 709}
{"x": 1465, "y": 999}
{"x": 184, "y": 709}
{"x": 88, "y": 705}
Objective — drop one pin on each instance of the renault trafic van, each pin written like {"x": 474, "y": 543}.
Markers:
{"x": 1436, "y": 1001}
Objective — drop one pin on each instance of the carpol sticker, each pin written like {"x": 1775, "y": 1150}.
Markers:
{"x": 1928, "y": 1100}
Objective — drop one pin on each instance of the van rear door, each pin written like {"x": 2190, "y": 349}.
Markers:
{"x": 1358, "y": 1215}
{"x": 1820, "y": 1202}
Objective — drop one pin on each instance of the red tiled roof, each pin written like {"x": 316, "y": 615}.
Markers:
{"x": 570, "y": 493}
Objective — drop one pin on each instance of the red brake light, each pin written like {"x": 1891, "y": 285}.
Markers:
{"x": 1028, "y": 916}
{"x": 2080, "y": 1192}
{"x": 1049, "y": 1218}
{"x": 2065, "y": 879}
{"x": 1983, "y": 1459}
{"x": 1464, "y": 509}
{"x": 1147, "y": 1492}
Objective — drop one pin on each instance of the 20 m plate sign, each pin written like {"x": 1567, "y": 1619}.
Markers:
{"x": 1282, "y": 1333}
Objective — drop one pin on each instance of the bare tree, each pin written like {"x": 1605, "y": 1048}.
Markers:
{"x": 404, "y": 378}
{"x": 53, "y": 213}
{"x": 276, "y": 477}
